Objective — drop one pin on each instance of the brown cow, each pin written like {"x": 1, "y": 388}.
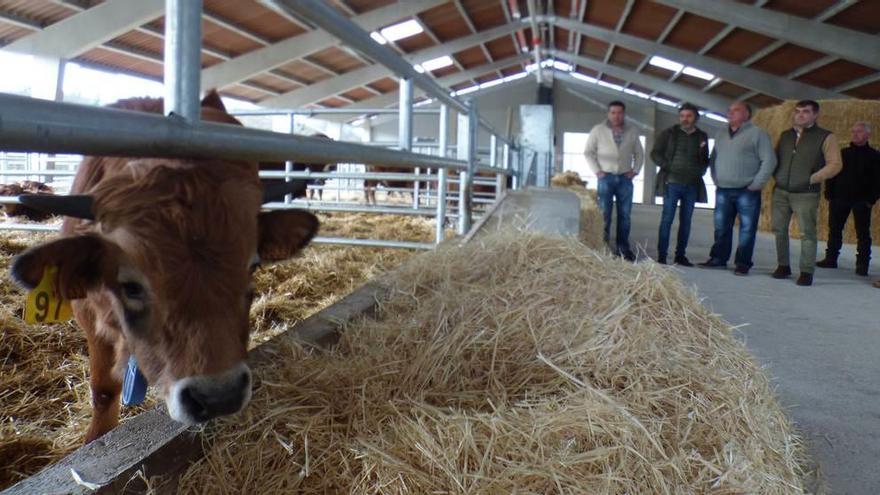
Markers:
{"x": 163, "y": 271}
{"x": 25, "y": 187}
{"x": 371, "y": 184}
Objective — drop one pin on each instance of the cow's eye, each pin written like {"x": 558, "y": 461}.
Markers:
{"x": 133, "y": 291}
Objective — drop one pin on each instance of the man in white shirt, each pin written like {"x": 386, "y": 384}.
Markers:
{"x": 615, "y": 155}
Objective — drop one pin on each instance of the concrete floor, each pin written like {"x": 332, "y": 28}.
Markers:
{"x": 820, "y": 344}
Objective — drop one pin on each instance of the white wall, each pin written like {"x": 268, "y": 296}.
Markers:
{"x": 493, "y": 105}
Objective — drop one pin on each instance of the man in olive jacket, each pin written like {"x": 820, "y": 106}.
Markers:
{"x": 682, "y": 153}
{"x": 806, "y": 155}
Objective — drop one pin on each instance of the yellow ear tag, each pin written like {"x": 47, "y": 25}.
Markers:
{"x": 43, "y": 304}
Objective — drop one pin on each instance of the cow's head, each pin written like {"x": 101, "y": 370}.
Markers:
{"x": 170, "y": 258}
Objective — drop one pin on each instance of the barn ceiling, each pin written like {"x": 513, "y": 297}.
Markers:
{"x": 762, "y": 51}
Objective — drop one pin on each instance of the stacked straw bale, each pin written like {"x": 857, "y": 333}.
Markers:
{"x": 516, "y": 364}
{"x": 591, "y": 229}
{"x": 44, "y": 391}
{"x": 839, "y": 117}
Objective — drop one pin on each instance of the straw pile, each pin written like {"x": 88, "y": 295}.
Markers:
{"x": 44, "y": 391}
{"x": 839, "y": 117}
{"x": 517, "y": 364}
{"x": 591, "y": 216}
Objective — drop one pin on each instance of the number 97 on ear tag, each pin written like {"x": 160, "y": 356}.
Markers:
{"x": 43, "y": 304}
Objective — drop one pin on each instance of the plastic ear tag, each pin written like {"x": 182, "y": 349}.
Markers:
{"x": 43, "y": 304}
{"x": 134, "y": 385}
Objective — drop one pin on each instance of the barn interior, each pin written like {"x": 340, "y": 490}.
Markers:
{"x": 467, "y": 120}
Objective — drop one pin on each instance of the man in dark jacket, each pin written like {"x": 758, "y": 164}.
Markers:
{"x": 682, "y": 153}
{"x": 855, "y": 189}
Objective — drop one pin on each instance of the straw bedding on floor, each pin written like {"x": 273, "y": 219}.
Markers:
{"x": 517, "y": 364}
{"x": 44, "y": 392}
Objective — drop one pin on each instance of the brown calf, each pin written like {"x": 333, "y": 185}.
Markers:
{"x": 25, "y": 187}
{"x": 161, "y": 269}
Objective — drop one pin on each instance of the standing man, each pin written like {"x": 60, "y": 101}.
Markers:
{"x": 856, "y": 188}
{"x": 741, "y": 163}
{"x": 807, "y": 155}
{"x": 615, "y": 155}
{"x": 682, "y": 153}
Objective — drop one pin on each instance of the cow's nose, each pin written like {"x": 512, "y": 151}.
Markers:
{"x": 198, "y": 399}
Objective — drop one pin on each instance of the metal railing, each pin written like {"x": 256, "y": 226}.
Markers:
{"x": 32, "y": 125}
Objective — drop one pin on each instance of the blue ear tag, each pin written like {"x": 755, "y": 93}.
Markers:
{"x": 134, "y": 385}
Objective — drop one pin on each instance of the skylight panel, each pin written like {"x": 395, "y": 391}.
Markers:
{"x": 437, "y": 63}
{"x": 401, "y": 30}
{"x": 700, "y": 74}
{"x": 665, "y": 63}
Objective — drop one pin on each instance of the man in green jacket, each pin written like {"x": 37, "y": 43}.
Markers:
{"x": 806, "y": 155}
{"x": 682, "y": 153}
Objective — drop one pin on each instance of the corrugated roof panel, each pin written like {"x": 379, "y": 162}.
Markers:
{"x": 786, "y": 59}
{"x": 471, "y": 57}
{"x": 835, "y": 74}
{"x": 255, "y": 17}
{"x": 800, "y": 8}
{"x": 693, "y": 32}
{"x": 863, "y": 16}
{"x": 605, "y": 13}
{"x": 739, "y": 45}
{"x": 484, "y": 14}
{"x": 445, "y": 22}
{"x": 648, "y": 19}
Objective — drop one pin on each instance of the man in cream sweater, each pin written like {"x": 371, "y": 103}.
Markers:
{"x": 615, "y": 155}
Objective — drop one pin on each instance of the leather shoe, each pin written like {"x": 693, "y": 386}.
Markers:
{"x": 805, "y": 279}
{"x": 827, "y": 263}
{"x": 683, "y": 261}
{"x": 862, "y": 270}
{"x": 628, "y": 256}
{"x": 661, "y": 260}
{"x": 741, "y": 270}
{"x": 782, "y": 271}
{"x": 713, "y": 263}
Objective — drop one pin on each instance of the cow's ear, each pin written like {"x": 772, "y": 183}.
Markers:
{"x": 284, "y": 233}
{"x": 84, "y": 262}
{"x": 212, "y": 100}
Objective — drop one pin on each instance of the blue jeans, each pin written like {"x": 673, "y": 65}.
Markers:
{"x": 688, "y": 197}
{"x": 621, "y": 187}
{"x": 729, "y": 203}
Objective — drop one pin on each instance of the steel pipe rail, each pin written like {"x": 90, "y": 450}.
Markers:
{"x": 351, "y": 207}
{"x": 343, "y": 175}
{"x": 373, "y": 243}
{"x": 329, "y": 111}
{"x": 323, "y": 15}
{"x": 30, "y": 124}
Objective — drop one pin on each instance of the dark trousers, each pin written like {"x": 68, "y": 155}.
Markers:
{"x": 838, "y": 213}
{"x": 620, "y": 187}
{"x": 675, "y": 193}
{"x": 728, "y": 204}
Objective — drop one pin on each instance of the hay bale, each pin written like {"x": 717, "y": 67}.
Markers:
{"x": 516, "y": 364}
{"x": 44, "y": 390}
{"x": 837, "y": 116}
{"x": 568, "y": 178}
{"x": 592, "y": 223}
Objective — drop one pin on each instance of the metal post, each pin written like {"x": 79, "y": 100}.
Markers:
{"x": 288, "y": 164}
{"x": 467, "y": 150}
{"x": 505, "y": 160}
{"x": 405, "y": 126}
{"x": 443, "y": 138}
{"x": 183, "y": 58}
